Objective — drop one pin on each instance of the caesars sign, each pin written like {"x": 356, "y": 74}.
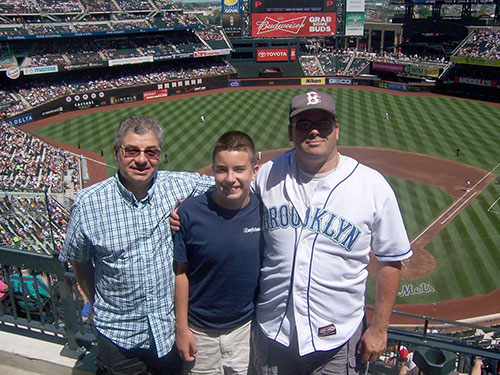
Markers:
{"x": 293, "y": 24}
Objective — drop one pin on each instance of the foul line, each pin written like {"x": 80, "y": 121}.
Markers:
{"x": 490, "y": 208}
{"x": 100, "y": 162}
{"x": 453, "y": 205}
{"x": 458, "y": 208}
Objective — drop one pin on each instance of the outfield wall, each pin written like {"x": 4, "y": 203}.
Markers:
{"x": 100, "y": 98}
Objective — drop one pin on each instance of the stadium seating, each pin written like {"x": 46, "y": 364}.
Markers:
{"x": 481, "y": 44}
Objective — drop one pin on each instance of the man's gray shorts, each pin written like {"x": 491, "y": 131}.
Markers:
{"x": 271, "y": 358}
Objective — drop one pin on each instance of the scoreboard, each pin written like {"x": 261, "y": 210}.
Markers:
{"x": 289, "y": 18}
{"x": 273, "y": 6}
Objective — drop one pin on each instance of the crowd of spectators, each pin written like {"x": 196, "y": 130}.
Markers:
{"x": 132, "y": 24}
{"x": 27, "y": 164}
{"x": 25, "y": 223}
{"x": 19, "y": 6}
{"x": 328, "y": 61}
{"x": 38, "y": 91}
{"x": 99, "y": 6}
{"x": 87, "y": 50}
{"x": 481, "y": 43}
{"x": 60, "y": 6}
{"x": 133, "y": 5}
{"x": 317, "y": 60}
{"x": 109, "y": 19}
{"x": 92, "y": 27}
{"x": 210, "y": 35}
{"x": 25, "y": 11}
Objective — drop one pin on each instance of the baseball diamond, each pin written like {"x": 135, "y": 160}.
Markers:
{"x": 453, "y": 273}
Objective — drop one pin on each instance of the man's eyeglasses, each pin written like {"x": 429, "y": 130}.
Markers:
{"x": 321, "y": 125}
{"x": 132, "y": 152}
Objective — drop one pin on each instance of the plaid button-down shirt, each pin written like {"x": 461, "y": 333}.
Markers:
{"x": 131, "y": 246}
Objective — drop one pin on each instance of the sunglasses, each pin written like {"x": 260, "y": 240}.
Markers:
{"x": 321, "y": 125}
{"x": 132, "y": 152}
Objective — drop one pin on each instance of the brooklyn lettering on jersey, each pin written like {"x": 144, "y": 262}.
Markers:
{"x": 318, "y": 220}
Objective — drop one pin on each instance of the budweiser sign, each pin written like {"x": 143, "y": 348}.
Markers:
{"x": 287, "y": 24}
{"x": 291, "y": 26}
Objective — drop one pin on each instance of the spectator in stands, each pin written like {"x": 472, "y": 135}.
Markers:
{"x": 476, "y": 369}
{"x": 4, "y": 288}
{"x": 492, "y": 366}
{"x": 34, "y": 289}
{"x": 120, "y": 246}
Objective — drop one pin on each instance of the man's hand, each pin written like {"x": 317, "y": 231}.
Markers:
{"x": 374, "y": 340}
{"x": 175, "y": 220}
{"x": 372, "y": 344}
{"x": 186, "y": 345}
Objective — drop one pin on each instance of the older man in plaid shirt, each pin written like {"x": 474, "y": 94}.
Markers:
{"x": 120, "y": 246}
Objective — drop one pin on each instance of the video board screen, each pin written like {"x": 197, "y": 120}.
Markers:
{"x": 280, "y": 6}
{"x": 293, "y": 24}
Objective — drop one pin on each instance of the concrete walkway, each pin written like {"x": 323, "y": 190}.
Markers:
{"x": 24, "y": 355}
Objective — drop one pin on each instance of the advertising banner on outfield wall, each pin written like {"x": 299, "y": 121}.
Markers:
{"x": 387, "y": 67}
{"x": 123, "y": 99}
{"x": 123, "y": 95}
{"x": 476, "y": 81}
{"x": 52, "y": 111}
{"x": 425, "y": 71}
{"x": 218, "y": 52}
{"x": 40, "y": 70}
{"x": 85, "y": 100}
{"x": 293, "y": 24}
{"x": 131, "y": 60}
{"x": 82, "y": 66}
{"x": 21, "y": 119}
{"x": 340, "y": 81}
{"x": 234, "y": 83}
{"x": 475, "y": 61}
{"x": 154, "y": 94}
{"x": 313, "y": 81}
{"x": 396, "y": 86}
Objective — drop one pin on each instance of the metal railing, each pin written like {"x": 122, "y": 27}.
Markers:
{"x": 42, "y": 300}
{"x": 467, "y": 341}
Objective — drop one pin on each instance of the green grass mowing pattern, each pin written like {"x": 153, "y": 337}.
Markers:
{"x": 467, "y": 252}
{"x": 465, "y": 249}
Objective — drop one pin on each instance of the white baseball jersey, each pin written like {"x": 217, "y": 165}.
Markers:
{"x": 314, "y": 272}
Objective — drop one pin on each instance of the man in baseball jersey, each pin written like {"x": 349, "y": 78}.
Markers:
{"x": 324, "y": 213}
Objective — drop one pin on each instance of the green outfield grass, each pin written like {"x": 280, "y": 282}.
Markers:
{"x": 467, "y": 250}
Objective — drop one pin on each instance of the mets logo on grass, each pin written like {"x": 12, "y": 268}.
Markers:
{"x": 231, "y": 6}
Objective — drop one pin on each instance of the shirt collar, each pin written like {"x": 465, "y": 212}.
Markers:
{"x": 130, "y": 197}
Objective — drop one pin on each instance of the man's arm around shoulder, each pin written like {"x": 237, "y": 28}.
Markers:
{"x": 185, "y": 341}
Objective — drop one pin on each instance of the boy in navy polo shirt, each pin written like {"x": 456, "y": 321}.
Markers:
{"x": 217, "y": 255}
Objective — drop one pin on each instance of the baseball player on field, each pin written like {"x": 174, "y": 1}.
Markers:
{"x": 324, "y": 214}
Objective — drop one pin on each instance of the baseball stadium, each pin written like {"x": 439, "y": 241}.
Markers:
{"x": 417, "y": 99}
